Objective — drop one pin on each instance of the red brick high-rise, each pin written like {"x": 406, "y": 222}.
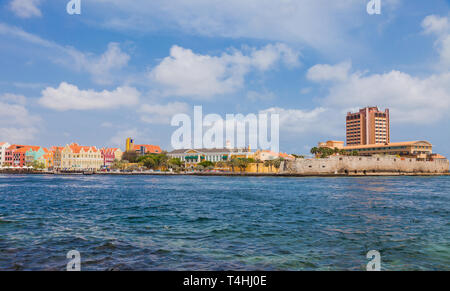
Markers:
{"x": 368, "y": 126}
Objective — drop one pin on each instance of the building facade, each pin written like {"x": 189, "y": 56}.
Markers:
{"x": 267, "y": 155}
{"x": 418, "y": 149}
{"x": 109, "y": 155}
{"x": 15, "y": 155}
{"x": 191, "y": 157}
{"x": 34, "y": 154}
{"x": 3, "y": 147}
{"x": 74, "y": 157}
{"x": 368, "y": 126}
{"x": 145, "y": 149}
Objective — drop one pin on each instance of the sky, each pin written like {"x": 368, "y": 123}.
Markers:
{"x": 124, "y": 68}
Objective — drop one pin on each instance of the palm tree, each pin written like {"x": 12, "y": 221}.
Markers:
{"x": 315, "y": 150}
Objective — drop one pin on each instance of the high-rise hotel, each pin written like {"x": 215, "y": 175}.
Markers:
{"x": 368, "y": 126}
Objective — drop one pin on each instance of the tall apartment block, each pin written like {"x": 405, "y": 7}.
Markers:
{"x": 368, "y": 126}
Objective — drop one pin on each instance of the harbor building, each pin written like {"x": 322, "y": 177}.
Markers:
{"x": 110, "y": 155}
{"x": 141, "y": 149}
{"x": 195, "y": 156}
{"x": 418, "y": 149}
{"x": 74, "y": 157}
{"x": 15, "y": 155}
{"x": 368, "y": 126}
{"x": 368, "y": 134}
{"x": 3, "y": 147}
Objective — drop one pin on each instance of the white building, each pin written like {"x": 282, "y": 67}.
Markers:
{"x": 3, "y": 147}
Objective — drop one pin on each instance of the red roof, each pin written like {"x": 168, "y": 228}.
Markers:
{"x": 23, "y": 148}
{"x": 77, "y": 148}
{"x": 153, "y": 149}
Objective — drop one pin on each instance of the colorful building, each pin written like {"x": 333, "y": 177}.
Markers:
{"x": 15, "y": 155}
{"x": 34, "y": 154}
{"x": 3, "y": 147}
{"x": 47, "y": 159}
{"x": 129, "y": 145}
{"x": 141, "y": 149}
{"x": 57, "y": 156}
{"x": 145, "y": 149}
{"x": 109, "y": 155}
{"x": 74, "y": 157}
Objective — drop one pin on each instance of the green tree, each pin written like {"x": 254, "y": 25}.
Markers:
{"x": 206, "y": 164}
{"x": 38, "y": 165}
{"x": 315, "y": 150}
{"x": 130, "y": 156}
{"x": 175, "y": 162}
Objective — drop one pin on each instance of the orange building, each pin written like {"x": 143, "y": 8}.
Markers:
{"x": 144, "y": 149}
{"x": 368, "y": 126}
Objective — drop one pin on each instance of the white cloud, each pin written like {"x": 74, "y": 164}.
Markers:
{"x": 321, "y": 24}
{"x": 303, "y": 121}
{"x": 102, "y": 68}
{"x": 337, "y": 72}
{"x": 187, "y": 74}
{"x": 120, "y": 137}
{"x": 162, "y": 114}
{"x": 13, "y": 98}
{"x": 69, "y": 97}
{"x": 439, "y": 26}
{"x": 411, "y": 99}
{"x": 436, "y": 24}
{"x": 26, "y": 8}
{"x": 17, "y": 124}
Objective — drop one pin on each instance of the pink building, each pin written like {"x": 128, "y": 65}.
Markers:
{"x": 109, "y": 155}
{"x": 15, "y": 155}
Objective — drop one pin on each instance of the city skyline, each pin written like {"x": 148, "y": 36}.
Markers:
{"x": 102, "y": 76}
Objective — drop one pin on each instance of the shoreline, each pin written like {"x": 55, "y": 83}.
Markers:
{"x": 381, "y": 174}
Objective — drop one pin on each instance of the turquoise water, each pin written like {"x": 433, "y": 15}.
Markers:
{"x": 224, "y": 223}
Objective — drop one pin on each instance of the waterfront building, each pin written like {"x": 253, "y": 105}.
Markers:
{"x": 195, "y": 156}
{"x": 141, "y": 149}
{"x": 267, "y": 155}
{"x": 109, "y": 155}
{"x": 145, "y": 149}
{"x": 57, "y": 156}
{"x": 34, "y": 154}
{"x": 332, "y": 144}
{"x": 3, "y": 147}
{"x": 368, "y": 126}
{"x": 15, "y": 155}
{"x": 74, "y": 157}
{"x": 286, "y": 156}
{"x": 129, "y": 145}
{"x": 418, "y": 149}
{"x": 47, "y": 159}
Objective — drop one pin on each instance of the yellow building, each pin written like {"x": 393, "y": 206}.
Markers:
{"x": 80, "y": 158}
{"x": 129, "y": 146}
{"x": 418, "y": 149}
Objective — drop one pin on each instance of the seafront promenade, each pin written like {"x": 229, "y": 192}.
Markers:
{"x": 217, "y": 174}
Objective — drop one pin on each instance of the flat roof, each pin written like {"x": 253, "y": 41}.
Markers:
{"x": 394, "y": 144}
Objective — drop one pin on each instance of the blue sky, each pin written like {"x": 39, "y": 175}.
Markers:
{"x": 124, "y": 68}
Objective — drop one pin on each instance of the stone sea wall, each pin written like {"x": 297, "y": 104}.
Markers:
{"x": 364, "y": 166}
